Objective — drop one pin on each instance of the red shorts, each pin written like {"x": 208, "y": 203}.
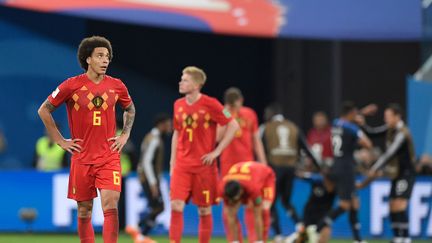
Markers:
{"x": 85, "y": 178}
{"x": 269, "y": 188}
{"x": 200, "y": 187}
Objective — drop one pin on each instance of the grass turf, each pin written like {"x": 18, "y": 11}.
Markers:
{"x": 71, "y": 238}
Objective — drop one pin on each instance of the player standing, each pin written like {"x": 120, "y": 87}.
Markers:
{"x": 345, "y": 137}
{"x": 149, "y": 171}
{"x": 193, "y": 152}
{"x": 90, "y": 99}
{"x": 398, "y": 163}
{"x": 246, "y": 146}
{"x": 249, "y": 183}
{"x": 247, "y": 143}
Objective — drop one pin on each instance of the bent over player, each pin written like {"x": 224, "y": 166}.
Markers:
{"x": 90, "y": 100}
{"x": 193, "y": 152}
{"x": 248, "y": 183}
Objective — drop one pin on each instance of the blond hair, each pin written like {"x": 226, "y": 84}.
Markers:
{"x": 197, "y": 74}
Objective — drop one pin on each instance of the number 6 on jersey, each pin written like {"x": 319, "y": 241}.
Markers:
{"x": 97, "y": 119}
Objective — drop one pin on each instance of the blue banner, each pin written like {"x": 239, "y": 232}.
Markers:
{"x": 46, "y": 193}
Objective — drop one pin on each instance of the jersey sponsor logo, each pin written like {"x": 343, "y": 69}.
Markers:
{"x": 97, "y": 101}
{"x": 226, "y": 113}
{"x": 55, "y": 92}
{"x": 111, "y": 91}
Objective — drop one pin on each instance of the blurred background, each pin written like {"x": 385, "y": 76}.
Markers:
{"x": 306, "y": 55}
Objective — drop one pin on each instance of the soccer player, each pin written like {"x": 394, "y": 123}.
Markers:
{"x": 283, "y": 140}
{"x": 246, "y": 145}
{"x": 248, "y": 183}
{"x": 90, "y": 99}
{"x": 345, "y": 137}
{"x": 149, "y": 171}
{"x": 193, "y": 152}
{"x": 398, "y": 163}
{"x": 320, "y": 201}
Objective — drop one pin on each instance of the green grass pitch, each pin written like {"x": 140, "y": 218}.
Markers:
{"x": 71, "y": 238}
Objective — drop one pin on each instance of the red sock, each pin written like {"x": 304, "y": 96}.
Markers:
{"x": 250, "y": 223}
{"x": 205, "y": 228}
{"x": 266, "y": 223}
{"x": 111, "y": 226}
{"x": 228, "y": 234}
{"x": 176, "y": 227}
{"x": 85, "y": 230}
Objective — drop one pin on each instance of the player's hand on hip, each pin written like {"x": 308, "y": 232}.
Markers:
{"x": 71, "y": 145}
{"x": 119, "y": 142}
{"x": 210, "y": 157}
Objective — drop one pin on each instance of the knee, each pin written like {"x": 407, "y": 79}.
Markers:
{"x": 110, "y": 202}
{"x": 85, "y": 209}
{"x": 204, "y": 211}
{"x": 397, "y": 205}
{"x": 177, "y": 205}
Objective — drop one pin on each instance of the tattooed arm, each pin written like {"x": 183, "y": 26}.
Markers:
{"x": 44, "y": 112}
{"x": 128, "y": 119}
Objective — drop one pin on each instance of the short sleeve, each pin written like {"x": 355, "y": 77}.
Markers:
{"x": 176, "y": 123}
{"x": 355, "y": 130}
{"x": 218, "y": 113}
{"x": 61, "y": 94}
{"x": 124, "y": 98}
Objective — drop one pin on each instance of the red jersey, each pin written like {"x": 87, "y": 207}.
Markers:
{"x": 320, "y": 142}
{"x": 91, "y": 114}
{"x": 196, "y": 127}
{"x": 254, "y": 177}
{"x": 241, "y": 148}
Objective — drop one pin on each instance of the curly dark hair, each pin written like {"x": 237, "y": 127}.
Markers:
{"x": 87, "y": 47}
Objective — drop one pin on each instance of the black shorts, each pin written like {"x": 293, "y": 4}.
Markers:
{"x": 320, "y": 202}
{"x": 344, "y": 181}
{"x": 284, "y": 183}
{"x": 313, "y": 214}
{"x": 402, "y": 186}
{"x": 153, "y": 202}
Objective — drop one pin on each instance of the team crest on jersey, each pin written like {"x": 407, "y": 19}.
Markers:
{"x": 189, "y": 120}
{"x": 97, "y": 101}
